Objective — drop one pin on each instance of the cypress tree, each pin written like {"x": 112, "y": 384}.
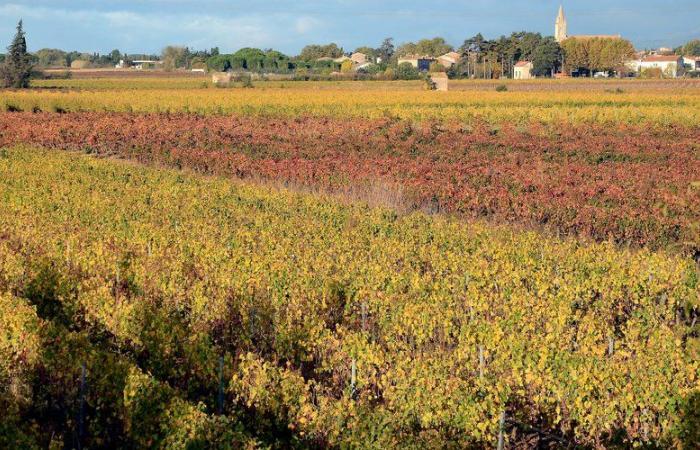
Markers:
{"x": 17, "y": 67}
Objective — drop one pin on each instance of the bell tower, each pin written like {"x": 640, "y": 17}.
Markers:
{"x": 560, "y": 26}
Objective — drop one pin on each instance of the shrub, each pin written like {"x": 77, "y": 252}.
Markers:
{"x": 406, "y": 71}
{"x": 247, "y": 81}
{"x": 501, "y": 88}
{"x": 437, "y": 67}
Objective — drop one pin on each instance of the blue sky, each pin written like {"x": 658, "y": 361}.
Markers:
{"x": 148, "y": 25}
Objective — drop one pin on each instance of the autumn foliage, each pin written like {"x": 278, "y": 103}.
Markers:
{"x": 214, "y": 314}
{"x": 631, "y": 185}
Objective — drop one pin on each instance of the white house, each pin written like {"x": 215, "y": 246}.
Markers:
{"x": 670, "y": 66}
{"x": 692, "y": 62}
{"x": 421, "y": 63}
{"x": 523, "y": 70}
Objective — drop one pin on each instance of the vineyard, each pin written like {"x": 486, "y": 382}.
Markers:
{"x": 650, "y": 107}
{"x": 349, "y": 265}
{"x": 629, "y": 184}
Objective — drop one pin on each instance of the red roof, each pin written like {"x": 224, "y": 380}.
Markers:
{"x": 596, "y": 36}
{"x": 522, "y": 63}
{"x": 661, "y": 58}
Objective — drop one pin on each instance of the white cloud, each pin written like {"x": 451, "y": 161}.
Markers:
{"x": 138, "y": 30}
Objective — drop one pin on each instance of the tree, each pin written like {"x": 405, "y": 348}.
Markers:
{"x": 369, "y": 51}
{"x": 546, "y": 57}
{"x": 50, "y": 57}
{"x": 596, "y": 54}
{"x": 314, "y": 52}
{"x": 219, "y": 63}
{"x": 425, "y": 47}
{"x": 252, "y": 59}
{"x": 346, "y": 67}
{"x": 175, "y": 57}
{"x": 386, "y": 50}
{"x": 437, "y": 67}
{"x": 476, "y": 45}
{"x": 115, "y": 56}
{"x": 692, "y": 48}
{"x": 406, "y": 71}
{"x": 17, "y": 67}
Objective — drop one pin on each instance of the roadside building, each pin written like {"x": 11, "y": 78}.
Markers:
{"x": 523, "y": 70}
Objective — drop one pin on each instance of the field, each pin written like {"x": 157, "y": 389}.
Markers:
{"x": 354, "y": 264}
{"x": 642, "y": 103}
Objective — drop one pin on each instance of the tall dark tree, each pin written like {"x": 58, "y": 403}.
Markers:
{"x": 546, "y": 57}
{"x": 17, "y": 68}
{"x": 115, "y": 56}
{"x": 386, "y": 50}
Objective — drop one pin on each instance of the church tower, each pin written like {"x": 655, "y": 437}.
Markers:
{"x": 560, "y": 25}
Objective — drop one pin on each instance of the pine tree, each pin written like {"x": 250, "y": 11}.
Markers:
{"x": 17, "y": 67}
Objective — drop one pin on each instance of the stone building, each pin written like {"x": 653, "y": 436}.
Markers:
{"x": 560, "y": 26}
{"x": 440, "y": 80}
{"x": 561, "y": 30}
{"x": 523, "y": 70}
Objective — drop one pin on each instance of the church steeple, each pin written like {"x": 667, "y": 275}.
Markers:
{"x": 560, "y": 31}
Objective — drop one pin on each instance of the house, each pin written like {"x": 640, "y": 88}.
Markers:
{"x": 359, "y": 58}
{"x": 449, "y": 59}
{"x": 141, "y": 64}
{"x": 670, "y": 66}
{"x": 421, "y": 63}
{"x": 523, "y": 70}
{"x": 692, "y": 62}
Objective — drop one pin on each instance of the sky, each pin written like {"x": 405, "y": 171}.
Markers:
{"x": 136, "y": 26}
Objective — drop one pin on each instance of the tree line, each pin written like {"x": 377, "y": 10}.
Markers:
{"x": 478, "y": 57}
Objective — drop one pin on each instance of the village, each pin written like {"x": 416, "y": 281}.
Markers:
{"x": 661, "y": 63}
{"x": 520, "y": 56}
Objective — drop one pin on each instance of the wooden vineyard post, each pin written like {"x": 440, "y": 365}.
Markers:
{"x": 501, "y": 431}
{"x": 81, "y": 407}
{"x": 482, "y": 361}
{"x": 220, "y": 399}
{"x": 353, "y": 378}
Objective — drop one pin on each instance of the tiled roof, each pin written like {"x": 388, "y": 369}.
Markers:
{"x": 661, "y": 58}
